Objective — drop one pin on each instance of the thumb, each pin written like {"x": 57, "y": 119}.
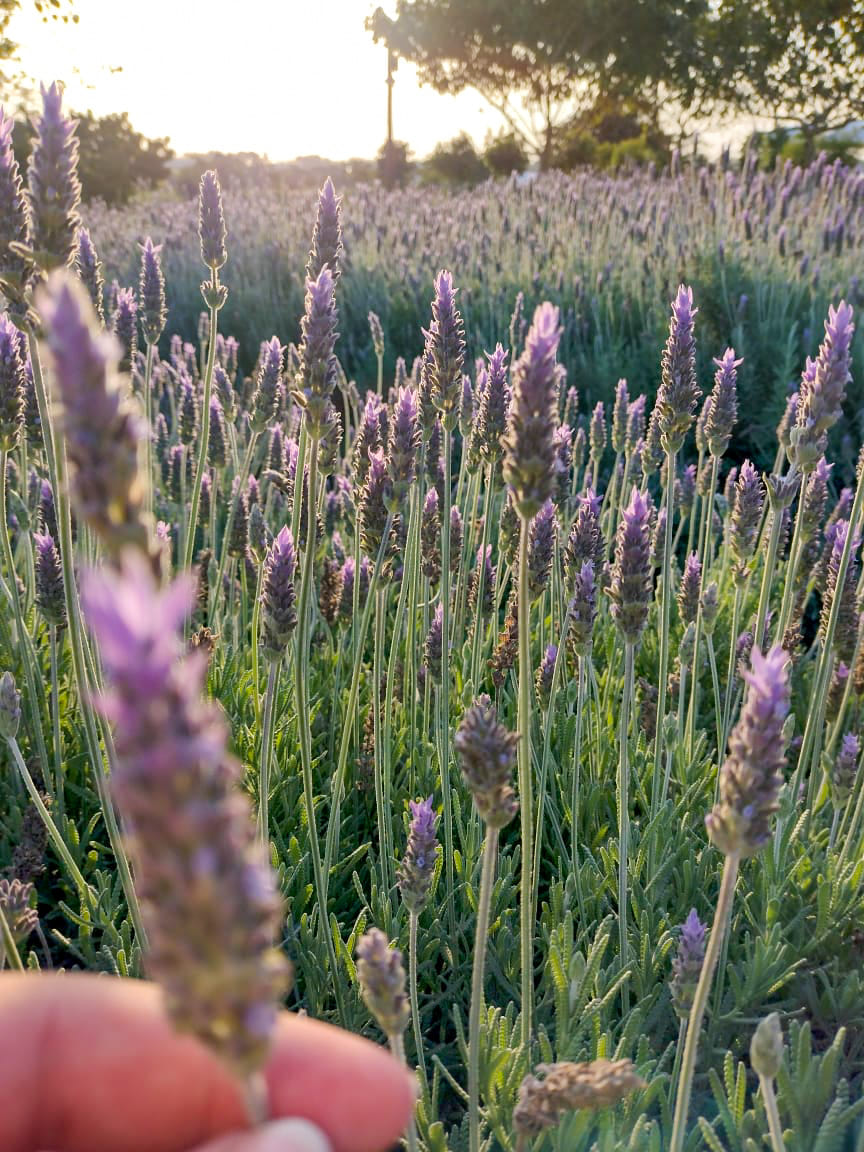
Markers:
{"x": 289, "y": 1135}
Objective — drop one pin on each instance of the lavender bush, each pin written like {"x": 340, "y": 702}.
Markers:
{"x": 333, "y": 570}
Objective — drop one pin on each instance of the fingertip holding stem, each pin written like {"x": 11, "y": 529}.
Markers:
{"x": 288, "y": 1135}
{"x": 292, "y": 1135}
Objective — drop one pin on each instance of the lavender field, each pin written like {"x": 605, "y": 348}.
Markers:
{"x": 440, "y": 613}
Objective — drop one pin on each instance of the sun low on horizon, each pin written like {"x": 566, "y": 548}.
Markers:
{"x": 286, "y": 80}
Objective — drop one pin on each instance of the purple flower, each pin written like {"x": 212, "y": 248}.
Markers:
{"x": 124, "y": 326}
{"x": 14, "y": 222}
{"x": 487, "y": 756}
{"x": 211, "y": 221}
{"x": 403, "y": 441}
{"x": 208, "y": 897}
{"x": 687, "y": 965}
{"x": 89, "y": 269}
{"x": 446, "y": 347}
{"x": 151, "y": 291}
{"x": 630, "y": 590}
{"x": 417, "y": 869}
{"x": 318, "y": 372}
{"x": 268, "y": 385}
{"x": 583, "y": 609}
{"x": 724, "y": 404}
{"x": 541, "y": 548}
{"x": 529, "y": 443}
{"x": 843, "y": 771}
{"x": 690, "y": 589}
{"x": 278, "y": 602}
{"x": 597, "y": 432}
{"x": 433, "y": 646}
{"x": 620, "y": 417}
{"x": 101, "y": 429}
{"x": 493, "y": 406}
{"x": 327, "y": 235}
{"x": 752, "y": 774}
{"x": 381, "y": 977}
{"x": 679, "y": 390}
{"x": 50, "y": 599}
{"x": 745, "y": 519}
{"x": 823, "y": 389}
{"x": 545, "y": 674}
{"x": 54, "y": 188}
{"x": 12, "y": 387}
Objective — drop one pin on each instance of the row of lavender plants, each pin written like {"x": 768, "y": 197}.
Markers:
{"x": 764, "y": 252}
{"x": 520, "y": 730}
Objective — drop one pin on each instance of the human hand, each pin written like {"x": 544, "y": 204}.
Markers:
{"x": 91, "y": 1064}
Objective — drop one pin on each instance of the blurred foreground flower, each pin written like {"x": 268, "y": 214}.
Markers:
{"x": 208, "y": 897}
{"x": 565, "y": 1087}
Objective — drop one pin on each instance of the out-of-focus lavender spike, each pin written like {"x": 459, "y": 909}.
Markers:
{"x": 53, "y": 185}
{"x": 124, "y": 326}
{"x": 89, "y": 269}
{"x": 12, "y": 388}
{"x": 151, "y": 291}
{"x": 690, "y": 589}
{"x": 619, "y": 417}
{"x": 687, "y": 965}
{"x": 14, "y": 224}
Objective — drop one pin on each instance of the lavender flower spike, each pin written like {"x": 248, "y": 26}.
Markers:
{"x": 630, "y": 590}
{"x": 100, "y": 426}
{"x": 751, "y": 777}
{"x": 382, "y": 982}
{"x": 89, "y": 268}
{"x": 724, "y": 404}
{"x": 487, "y": 755}
{"x": 317, "y": 376}
{"x": 54, "y": 187}
{"x": 12, "y": 387}
{"x": 211, "y": 221}
{"x": 50, "y": 599}
{"x": 208, "y": 897}
{"x": 823, "y": 389}
{"x": 679, "y": 391}
{"x": 327, "y": 235}
{"x": 278, "y": 601}
{"x": 14, "y": 223}
{"x": 687, "y": 965}
{"x": 151, "y": 292}
{"x": 529, "y": 443}
{"x": 417, "y": 869}
{"x": 446, "y": 343}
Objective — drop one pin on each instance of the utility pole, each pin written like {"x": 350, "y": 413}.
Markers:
{"x": 392, "y": 65}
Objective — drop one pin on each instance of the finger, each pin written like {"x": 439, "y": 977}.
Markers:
{"x": 91, "y": 1064}
{"x": 280, "y": 1136}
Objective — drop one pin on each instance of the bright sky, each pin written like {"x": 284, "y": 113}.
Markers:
{"x": 283, "y": 78}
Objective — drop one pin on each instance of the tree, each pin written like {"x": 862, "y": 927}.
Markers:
{"x": 113, "y": 158}
{"x": 504, "y": 154}
{"x": 541, "y": 63}
{"x": 48, "y": 10}
{"x": 797, "y": 63}
{"x": 456, "y": 162}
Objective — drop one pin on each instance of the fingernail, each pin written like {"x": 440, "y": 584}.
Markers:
{"x": 292, "y": 1135}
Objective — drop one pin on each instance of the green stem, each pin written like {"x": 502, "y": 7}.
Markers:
{"x": 700, "y": 999}
{"x": 8, "y": 947}
{"x": 216, "y": 591}
{"x": 769, "y": 1099}
{"x": 379, "y": 753}
{"x": 301, "y": 683}
{"x": 415, "y": 1000}
{"x": 57, "y": 739}
{"x": 526, "y": 805}
{"x": 266, "y": 751}
{"x": 447, "y": 800}
{"x": 666, "y": 607}
{"x": 487, "y": 880}
{"x": 332, "y": 844}
{"x": 148, "y": 430}
{"x": 624, "y": 802}
{"x": 767, "y": 577}
{"x": 397, "y": 1047}
{"x": 204, "y": 439}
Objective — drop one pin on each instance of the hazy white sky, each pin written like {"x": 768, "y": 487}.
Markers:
{"x": 282, "y": 77}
